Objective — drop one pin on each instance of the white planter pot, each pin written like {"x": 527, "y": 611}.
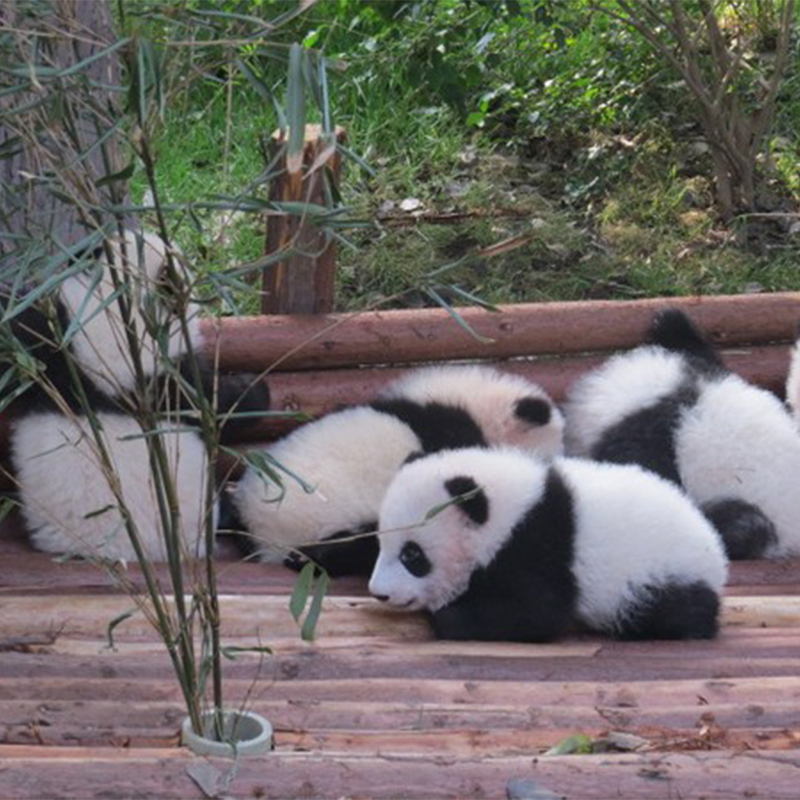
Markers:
{"x": 251, "y": 732}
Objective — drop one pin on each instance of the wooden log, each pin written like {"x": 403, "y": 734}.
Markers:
{"x": 318, "y": 393}
{"x": 163, "y": 773}
{"x": 300, "y": 342}
{"x": 644, "y": 697}
{"x": 304, "y": 281}
{"x": 386, "y": 726}
{"x": 89, "y": 616}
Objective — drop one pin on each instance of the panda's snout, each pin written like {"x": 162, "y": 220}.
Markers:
{"x": 384, "y": 598}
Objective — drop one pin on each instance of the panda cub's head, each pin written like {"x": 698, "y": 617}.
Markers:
{"x": 137, "y": 267}
{"x": 437, "y": 525}
{"x": 508, "y": 409}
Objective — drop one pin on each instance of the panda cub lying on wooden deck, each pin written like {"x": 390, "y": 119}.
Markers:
{"x": 349, "y": 457}
{"x": 671, "y": 406}
{"x": 498, "y": 545}
{"x": 62, "y": 486}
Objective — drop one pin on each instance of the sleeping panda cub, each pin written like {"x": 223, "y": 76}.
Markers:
{"x": 67, "y": 503}
{"x": 671, "y": 406}
{"x": 498, "y": 545}
{"x": 349, "y": 457}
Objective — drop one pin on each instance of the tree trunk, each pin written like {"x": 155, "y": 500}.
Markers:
{"x": 62, "y": 33}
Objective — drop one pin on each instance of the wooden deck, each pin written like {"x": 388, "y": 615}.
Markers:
{"x": 375, "y": 708}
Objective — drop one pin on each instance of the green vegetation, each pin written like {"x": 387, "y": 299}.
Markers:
{"x": 535, "y": 117}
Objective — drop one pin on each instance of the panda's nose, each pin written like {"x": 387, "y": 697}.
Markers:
{"x": 382, "y": 597}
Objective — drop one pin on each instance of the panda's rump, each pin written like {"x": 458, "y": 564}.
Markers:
{"x": 635, "y": 530}
{"x": 738, "y": 442}
{"x": 67, "y": 503}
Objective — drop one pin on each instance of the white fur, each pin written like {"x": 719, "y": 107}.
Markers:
{"x": 62, "y": 485}
{"x": 634, "y": 529}
{"x": 488, "y": 395}
{"x": 622, "y": 385}
{"x": 348, "y": 457}
{"x": 454, "y": 545}
{"x": 101, "y": 347}
{"x": 351, "y": 456}
{"x": 793, "y": 383}
{"x": 737, "y": 441}
{"x": 631, "y": 529}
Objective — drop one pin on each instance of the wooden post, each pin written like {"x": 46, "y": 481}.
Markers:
{"x": 303, "y": 283}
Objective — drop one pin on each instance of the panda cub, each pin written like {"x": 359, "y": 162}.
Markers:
{"x": 67, "y": 504}
{"x": 499, "y": 545}
{"x": 349, "y": 457}
{"x": 672, "y": 407}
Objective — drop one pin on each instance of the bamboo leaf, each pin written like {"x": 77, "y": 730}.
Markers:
{"x": 261, "y": 88}
{"x": 232, "y": 651}
{"x": 122, "y": 175}
{"x": 308, "y": 631}
{"x": 473, "y": 298}
{"x": 100, "y": 511}
{"x": 457, "y": 500}
{"x": 23, "y": 387}
{"x": 54, "y": 72}
{"x": 114, "y": 624}
{"x": 296, "y": 102}
{"x": 431, "y": 292}
{"x": 302, "y": 589}
{"x": 348, "y": 153}
{"x": 7, "y": 505}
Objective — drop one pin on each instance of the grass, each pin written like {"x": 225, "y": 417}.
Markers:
{"x": 612, "y": 212}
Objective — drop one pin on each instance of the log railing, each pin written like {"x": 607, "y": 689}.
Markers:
{"x": 316, "y": 363}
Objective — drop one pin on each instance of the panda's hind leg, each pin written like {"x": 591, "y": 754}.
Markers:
{"x": 671, "y": 611}
{"x": 746, "y": 531}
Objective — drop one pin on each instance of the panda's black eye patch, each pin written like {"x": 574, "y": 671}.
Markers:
{"x": 533, "y": 410}
{"x": 413, "y": 558}
{"x": 472, "y": 500}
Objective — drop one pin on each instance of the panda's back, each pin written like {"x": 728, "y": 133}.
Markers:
{"x": 347, "y": 459}
{"x": 634, "y": 529}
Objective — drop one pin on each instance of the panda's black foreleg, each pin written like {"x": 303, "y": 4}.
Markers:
{"x": 344, "y": 553}
{"x": 233, "y": 393}
{"x": 502, "y": 619}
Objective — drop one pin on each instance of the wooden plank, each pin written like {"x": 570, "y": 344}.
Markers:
{"x": 302, "y": 342}
{"x": 715, "y": 774}
{"x": 95, "y": 722}
{"x": 89, "y": 616}
{"x": 732, "y": 656}
{"x": 611, "y": 697}
{"x": 27, "y": 571}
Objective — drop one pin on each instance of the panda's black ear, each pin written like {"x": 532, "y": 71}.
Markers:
{"x": 535, "y": 411}
{"x": 475, "y": 504}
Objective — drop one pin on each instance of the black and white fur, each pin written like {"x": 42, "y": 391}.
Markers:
{"x": 349, "y": 458}
{"x": 498, "y": 545}
{"x": 672, "y": 407}
{"x": 67, "y": 504}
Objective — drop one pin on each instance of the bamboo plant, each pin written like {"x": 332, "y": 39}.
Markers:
{"x": 79, "y": 107}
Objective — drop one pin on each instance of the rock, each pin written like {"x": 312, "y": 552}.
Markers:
{"x": 527, "y": 789}
{"x": 410, "y": 204}
{"x": 456, "y": 188}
